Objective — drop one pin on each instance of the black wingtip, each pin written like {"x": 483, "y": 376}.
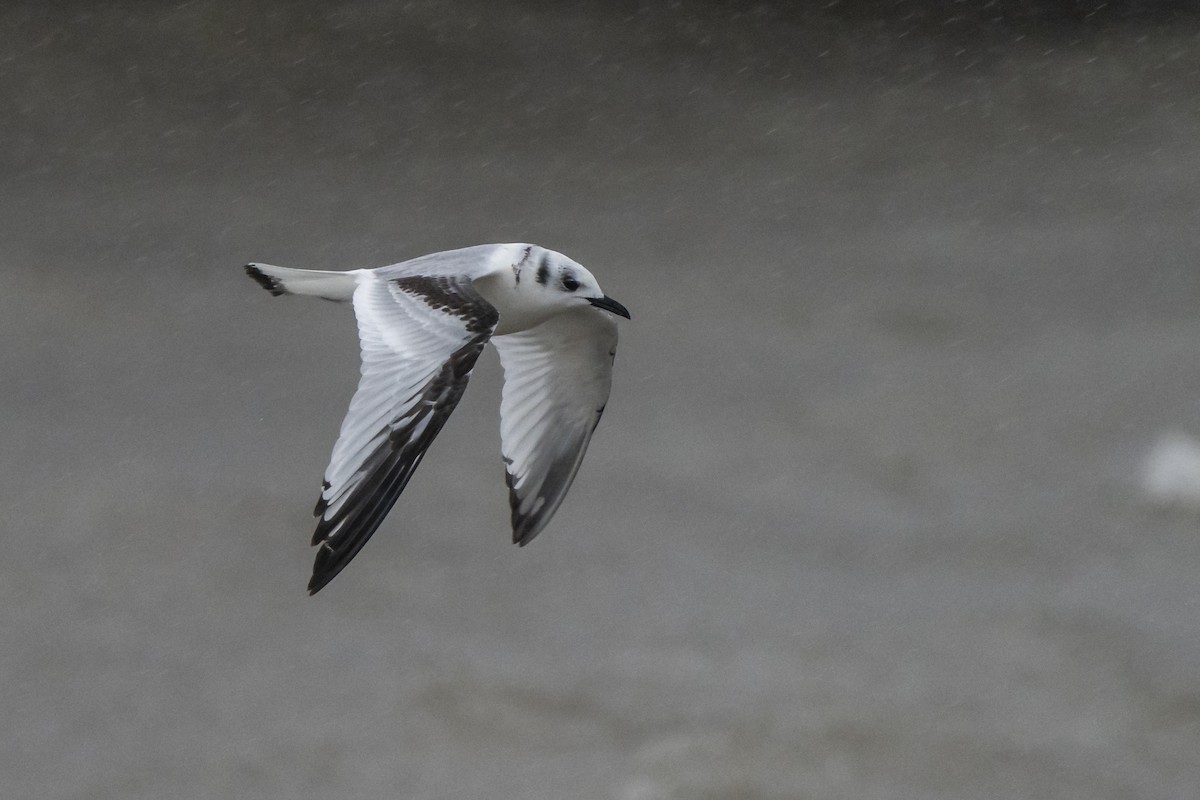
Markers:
{"x": 264, "y": 280}
{"x": 524, "y": 532}
{"x": 325, "y": 567}
{"x": 319, "y": 509}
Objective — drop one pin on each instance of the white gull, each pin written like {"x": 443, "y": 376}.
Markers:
{"x": 422, "y": 324}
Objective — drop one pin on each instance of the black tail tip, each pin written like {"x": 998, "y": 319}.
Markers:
{"x": 264, "y": 280}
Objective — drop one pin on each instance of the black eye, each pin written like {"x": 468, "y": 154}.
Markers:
{"x": 569, "y": 283}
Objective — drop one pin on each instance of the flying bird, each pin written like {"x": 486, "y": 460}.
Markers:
{"x": 421, "y": 325}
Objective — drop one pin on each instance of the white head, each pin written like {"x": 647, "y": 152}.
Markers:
{"x": 545, "y": 282}
{"x": 568, "y": 282}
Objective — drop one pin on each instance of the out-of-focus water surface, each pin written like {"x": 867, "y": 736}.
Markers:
{"x": 914, "y": 291}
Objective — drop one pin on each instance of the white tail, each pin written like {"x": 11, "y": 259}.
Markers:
{"x": 320, "y": 283}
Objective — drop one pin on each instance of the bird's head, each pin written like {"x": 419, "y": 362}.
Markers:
{"x": 567, "y": 283}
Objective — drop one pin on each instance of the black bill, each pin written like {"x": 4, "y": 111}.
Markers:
{"x": 608, "y": 304}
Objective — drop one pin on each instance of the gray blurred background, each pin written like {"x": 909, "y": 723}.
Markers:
{"x": 914, "y": 287}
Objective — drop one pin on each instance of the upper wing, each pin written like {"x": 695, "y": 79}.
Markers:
{"x": 556, "y": 382}
{"x": 472, "y": 262}
{"x": 420, "y": 337}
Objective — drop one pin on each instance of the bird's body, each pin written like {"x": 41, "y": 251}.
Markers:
{"x": 422, "y": 324}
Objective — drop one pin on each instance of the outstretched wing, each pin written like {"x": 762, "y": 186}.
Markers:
{"x": 556, "y": 382}
{"x": 420, "y": 337}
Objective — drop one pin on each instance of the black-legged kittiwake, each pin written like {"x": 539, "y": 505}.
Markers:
{"x": 422, "y": 324}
